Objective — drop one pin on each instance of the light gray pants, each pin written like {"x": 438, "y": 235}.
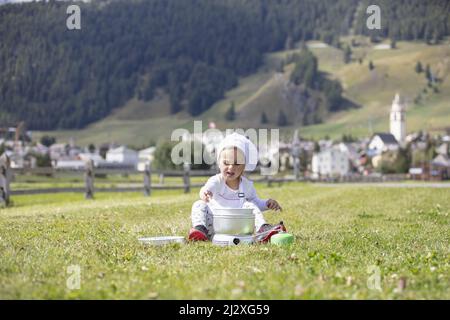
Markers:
{"x": 202, "y": 215}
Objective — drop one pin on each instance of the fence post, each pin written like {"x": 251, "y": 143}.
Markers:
{"x": 269, "y": 181}
{"x": 186, "y": 178}
{"x": 148, "y": 179}
{"x": 5, "y": 179}
{"x": 89, "y": 180}
{"x": 295, "y": 152}
{"x": 297, "y": 168}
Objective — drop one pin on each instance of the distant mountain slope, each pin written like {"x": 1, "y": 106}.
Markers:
{"x": 195, "y": 50}
{"x": 140, "y": 60}
{"x": 372, "y": 90}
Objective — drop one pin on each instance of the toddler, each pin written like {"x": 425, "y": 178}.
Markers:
{"x": 230, "y": 189}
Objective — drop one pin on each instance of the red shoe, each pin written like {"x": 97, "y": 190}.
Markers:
{"x": 267, "y": 231}
{"x": 198, "y": 233}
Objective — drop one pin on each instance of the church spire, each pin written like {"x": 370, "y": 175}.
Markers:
{"x": 398, "y": 119}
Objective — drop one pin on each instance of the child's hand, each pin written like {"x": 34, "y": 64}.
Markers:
{"x": 206, "y": 196}
{"x": 273, "y": 205}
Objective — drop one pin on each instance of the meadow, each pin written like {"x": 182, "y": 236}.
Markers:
{"x": 351, "y": 242}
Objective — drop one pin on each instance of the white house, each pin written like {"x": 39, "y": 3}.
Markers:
{"x": 16, "y": 161}
{"x": 95, "y": 157}
{"x": 122, "y": 156}
{"x": 440, "y": 166}
{"x": 58, "y": 151}
{"x": 442, "y": 160}
{"x": 442, "y": 149}
{"x": 330, "y": 162}
{"x": 145, "y": 156}
{"x": 71, "y": 164}
{"x": 382, "y": 142}
{"x": 351, "y": 150}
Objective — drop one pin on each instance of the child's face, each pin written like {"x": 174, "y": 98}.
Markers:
{"x": 232, "y": 164}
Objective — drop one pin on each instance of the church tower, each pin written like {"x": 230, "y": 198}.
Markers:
{"x": 398, "y": 121}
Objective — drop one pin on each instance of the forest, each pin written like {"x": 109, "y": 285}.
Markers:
{"x": 54, "y": 78}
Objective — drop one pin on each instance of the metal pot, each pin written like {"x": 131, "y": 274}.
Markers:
{"x": 233, "y": 221}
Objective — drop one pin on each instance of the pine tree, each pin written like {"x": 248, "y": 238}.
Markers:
{"x": 47, "y": 140}
{"x": 428, "y": 74}
{"x": 230, "y": 115}
{"x": 91, "y": 148}
{"x": 264, "y": 119}
{"x": 419, "y": 68}
{"x": 316, "y": 147}
{"x": 282, "y": 119}
{"x": 393, "y": 43}
{"x": 347, "y": 54}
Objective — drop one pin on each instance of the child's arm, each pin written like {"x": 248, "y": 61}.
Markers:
{"x": 273, "y": 205}
{"x": 262, "y": 204}
{"x": 209, "y": 189}
{"x": 252, "y": 197}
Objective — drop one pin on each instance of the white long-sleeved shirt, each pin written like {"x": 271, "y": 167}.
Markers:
{"x": 226, "y": 197}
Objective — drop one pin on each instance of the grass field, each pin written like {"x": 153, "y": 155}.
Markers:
{"x": 343, "y": 234}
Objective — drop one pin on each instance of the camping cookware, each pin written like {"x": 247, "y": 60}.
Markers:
{"x": 233, "y": 221}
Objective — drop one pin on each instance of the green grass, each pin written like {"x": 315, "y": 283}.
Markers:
{"x": 340, "y": 232}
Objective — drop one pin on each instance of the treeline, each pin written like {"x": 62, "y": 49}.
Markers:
{"x": 53, "y": 78}
{"x": 409, "y": 20}
{"x": 306, "y": 72}
{"x": 195, "y": 50}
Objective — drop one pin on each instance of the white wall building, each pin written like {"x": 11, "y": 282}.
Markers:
{"x": 94, "y": 157}
{"x": 382, "y": 142}
{"x": 145, "y": 156}
{"x": 398, "y": 120}
{"x": 123, "y": 156}
{"x": 330, "y": 162}
{"x": 69, "y": 164}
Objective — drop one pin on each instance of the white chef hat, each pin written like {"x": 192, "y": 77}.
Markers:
{"x": 242, "y": 143}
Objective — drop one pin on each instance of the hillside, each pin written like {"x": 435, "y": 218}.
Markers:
{"x": 194, "y": 50}
{"x": 374, "y": 90}
{"x": 163, "y": 63}
{"x": 136, "y": 123}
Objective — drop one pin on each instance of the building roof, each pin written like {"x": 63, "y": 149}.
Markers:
{"x": 441, "y": 161}
{"x": 120, "y": 150}
{"x": 442, "y": 149}
{"x": 387, "y": 138}
{"x": 149, "y": 150}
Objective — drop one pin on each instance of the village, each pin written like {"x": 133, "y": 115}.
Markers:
{"x": 417, "y": 155}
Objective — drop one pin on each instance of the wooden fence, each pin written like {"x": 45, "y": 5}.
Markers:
{"x": 89, "y": 173}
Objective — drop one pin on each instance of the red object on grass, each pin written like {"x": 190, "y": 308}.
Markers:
{"x": 263, "y": 236}
{"x": 197, "y": 235}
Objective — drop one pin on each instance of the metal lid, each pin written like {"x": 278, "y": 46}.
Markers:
{"x": 162, "y": 240}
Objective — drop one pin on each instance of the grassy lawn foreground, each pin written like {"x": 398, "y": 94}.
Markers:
{"x": 342, "y": 235}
